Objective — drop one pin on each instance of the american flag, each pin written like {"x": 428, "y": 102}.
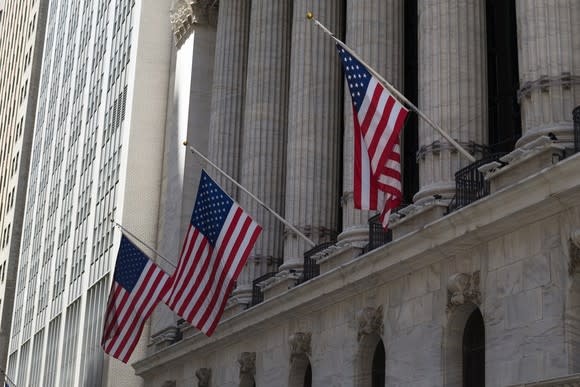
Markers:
{"x": 378, "y": 120}
{"x": 218, "y": 242}
{"x": 138, "y": 286}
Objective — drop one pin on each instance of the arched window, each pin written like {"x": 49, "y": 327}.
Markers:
{"x": 308, "y": 376}
{"x": 378, "y": 371}
{"x": 474, "y": 351}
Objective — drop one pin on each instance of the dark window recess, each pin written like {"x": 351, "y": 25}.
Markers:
{"x": 576, "y": 114}
{"x": 410, "y": 170}
{"x": 308, "y": 376}
{"x": 474, "y": 351}
{"x": 502, "y": 76}
{"x": 379, "y": 361}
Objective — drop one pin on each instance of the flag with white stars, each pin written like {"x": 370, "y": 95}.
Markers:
{"x": 138, "y": 286}
{"x": 218, "y": 242}
{"x": 378, "y": 120}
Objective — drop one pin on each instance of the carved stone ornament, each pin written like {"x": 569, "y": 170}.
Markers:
{"x": 184, "y": 14}
{"x": 203, "y": 377}
{"x": 370, "y": 320}
{"x": 463, "y": 288}
{"x": 300, "y": 344}
{"x": 247, "y": 362}
{"x": 574, "y": 252}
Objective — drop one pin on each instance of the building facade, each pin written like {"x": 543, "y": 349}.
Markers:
{"x": 96, "y": 158}
{"x": 22, "y": 26}
{"x": 478, "y": 281}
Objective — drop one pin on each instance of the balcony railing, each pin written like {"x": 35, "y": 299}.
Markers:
{"x": 377, "y": 234}
{"x": 470, "y": 184}
{"x": 311, "y": 268}
{"x": 257, "y": 291}
{"x": 576, "y": 115}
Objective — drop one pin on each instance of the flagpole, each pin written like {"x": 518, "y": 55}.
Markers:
{"x": 280, "y": 218}
{"x": 391, "y": 88}
{"x": 143, "y": 243}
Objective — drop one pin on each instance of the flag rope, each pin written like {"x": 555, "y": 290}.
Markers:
{"x": 143, "y": 243}
{"x": 392, "y": 89}
{"x": 279, "y": 217}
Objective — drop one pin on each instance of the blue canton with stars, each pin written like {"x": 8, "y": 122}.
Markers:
{"x": 212, "y": 206}
{"x": 130, "y": 264}
{"x": 357, "y": 77}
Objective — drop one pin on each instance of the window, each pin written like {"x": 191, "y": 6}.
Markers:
{"x": 379, "y": 361}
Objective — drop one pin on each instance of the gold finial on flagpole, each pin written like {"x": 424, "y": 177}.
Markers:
{"x": 309, "y": 15}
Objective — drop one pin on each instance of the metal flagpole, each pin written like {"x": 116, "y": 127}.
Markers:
{"x": 143, "y": 243}
{"x": 392, "y": 89}
{"x": 280, "y": 218}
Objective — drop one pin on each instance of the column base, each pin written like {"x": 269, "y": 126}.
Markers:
{"x": 357, "y": 235}
{"x": 562, "y": 133}
{"x": 164, "y": 338}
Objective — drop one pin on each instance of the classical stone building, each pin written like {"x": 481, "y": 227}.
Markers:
{"x": 477, "y": 283}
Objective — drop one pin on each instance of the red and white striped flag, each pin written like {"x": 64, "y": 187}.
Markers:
{"x": 138, "y": 286}
{"x": 378, "y": 120}
{"x": 218, "y": 242}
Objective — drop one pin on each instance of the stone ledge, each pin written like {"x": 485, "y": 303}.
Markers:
{"x": 562, "y": 381}
{"x": 415, "y": 217}
{"x": 546, "y": 193}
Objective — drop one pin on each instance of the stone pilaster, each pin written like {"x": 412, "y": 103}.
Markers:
{"x": 265, "y": 132}
{"x": 228, "y": 91}
{"x": 374, "y": 29}
{"x": 549, "y": 64}
{"x": 314, "y": 130}
{"x": 452, "y": 89}
{"x": 188, "y": 118}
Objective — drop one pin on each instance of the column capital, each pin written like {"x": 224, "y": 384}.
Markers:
{"x": 184, "y": 14}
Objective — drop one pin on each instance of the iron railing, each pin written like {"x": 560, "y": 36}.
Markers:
{"x": 377, "y": 234}
{"x": 311, "y": 268}
{"x": 257, "y": 292}
{"x": 470, "y": 184}
{"x": 576, "y": 116}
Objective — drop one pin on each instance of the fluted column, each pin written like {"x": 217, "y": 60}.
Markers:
{"x": 314, "y": 129}
{"x": 265, "y": 131}
{"x": 374, "y": 29}
{"x": 549, "y": 64}
{"x": 452, "y": 89}
{"x": 229, "y": 88}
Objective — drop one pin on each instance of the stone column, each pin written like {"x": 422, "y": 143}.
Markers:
{"x": 314, "y": 130}
{"x": 228, "y": 91}
{"x": 265, "y": 132}
{"x": 452, "y": 89}
{"x": 374, "y": 29}
{"x": 549, "y": 64}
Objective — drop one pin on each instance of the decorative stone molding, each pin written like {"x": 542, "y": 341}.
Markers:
{"x": 203, "y": 377}
{"x": 165, "y": 337}
{"x": 544, "y": 83}
{"x": 370, "y": 321}
{"x": 463, "y": 288}
{"x": 247, "y": 361}
{"x": 574, "y": 252}
{"x": 437, "y": 146}
{"x": 300, "y": 344}
{"x": 184, "y": 14}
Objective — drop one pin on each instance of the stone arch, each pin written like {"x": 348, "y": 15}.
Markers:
{"x": 453, "y": 342}
{"x": 370, "y": 330}
{"x": 572, "y": 312}
{"x": 300, "y": 367}
{"x": 365, "y": 357}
